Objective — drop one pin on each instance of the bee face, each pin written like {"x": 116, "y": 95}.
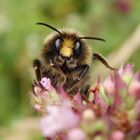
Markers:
{"x": 66, "y": 49}
{"x": 68, "y": 46}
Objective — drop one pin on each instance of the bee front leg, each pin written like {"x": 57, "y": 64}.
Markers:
{"x": 57, "y": 75}
{"x": 97, "y": 56}
{"x": 83, "y": 69}
{"x": 37, "y": 66}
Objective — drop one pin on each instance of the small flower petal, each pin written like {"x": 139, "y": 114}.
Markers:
{"x": 76, "y": 134}
{"x": 109, "y": 85}
{"x": 117, "y": 135}
{"x": 134, "y": 88}
{"x": 45, "y": 82}
{"x": 126, "y": 73}
{"x": 58, "y": 120}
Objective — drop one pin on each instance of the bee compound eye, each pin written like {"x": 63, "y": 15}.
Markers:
{"x": 57, "y": 43}
{"x": 77, "y": 46}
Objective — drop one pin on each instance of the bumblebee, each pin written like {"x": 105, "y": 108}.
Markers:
{"x": 66, "y": 59}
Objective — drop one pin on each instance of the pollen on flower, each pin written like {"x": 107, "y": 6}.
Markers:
{"x": 121, "y": 121}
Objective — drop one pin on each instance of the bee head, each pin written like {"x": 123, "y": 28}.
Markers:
{"x": 66, "y": 44}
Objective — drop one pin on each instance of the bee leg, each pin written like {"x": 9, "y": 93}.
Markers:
{"x": 37, "y": 66}
{"x": 97, "y": 56}
{"x": 84, "y": 69}
{"x": 86, "y": 93}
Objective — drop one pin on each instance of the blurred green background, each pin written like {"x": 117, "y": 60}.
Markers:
{"x": 21, "y": 41}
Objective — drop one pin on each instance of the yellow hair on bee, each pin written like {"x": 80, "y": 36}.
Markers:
{"x": 68, "y": 43}
{"x": 66, "y": 48}
{"x": 87, "y": 56}
{"x": 66, "y": 52}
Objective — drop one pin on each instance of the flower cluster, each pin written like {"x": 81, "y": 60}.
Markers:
{"x": 110, "y": 113}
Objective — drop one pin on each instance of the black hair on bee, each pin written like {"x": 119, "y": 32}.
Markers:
{"x": 66, "y": 59}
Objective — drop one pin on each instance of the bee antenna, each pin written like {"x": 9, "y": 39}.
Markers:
{"x": 94, "y": 38}
{"x": 44, "y": 24}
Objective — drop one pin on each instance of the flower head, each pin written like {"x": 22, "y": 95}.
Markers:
{"x": 112, "y": 114}
{"x": 57, "y": 120}
{"x": 76, "y": 134}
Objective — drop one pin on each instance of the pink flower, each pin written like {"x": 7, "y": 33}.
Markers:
{"x": 37, "y": 107}
{"x": 120, "y": 89}
{"x": 136, "y": 128}
{"x": 134, "y": 88}
{"x": 38, "y": 91}
{"x": 117, "y": 135}
{"x": 58, "y": 119}
{"x": 113, "y": 113}
{"x": 76, "y": 134}
{"x": 78, "y": 102}
{"x": 45, "y": 82}
{"x": 101, "y": 102}
{"x": 137, "y": 108}
{"x": 123, "y": 6}
{"x": 109, "y": 85}
{"x": 78, "y": 98}
{"x": 63, "y": 94}
{"x": 126, "y": 73}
